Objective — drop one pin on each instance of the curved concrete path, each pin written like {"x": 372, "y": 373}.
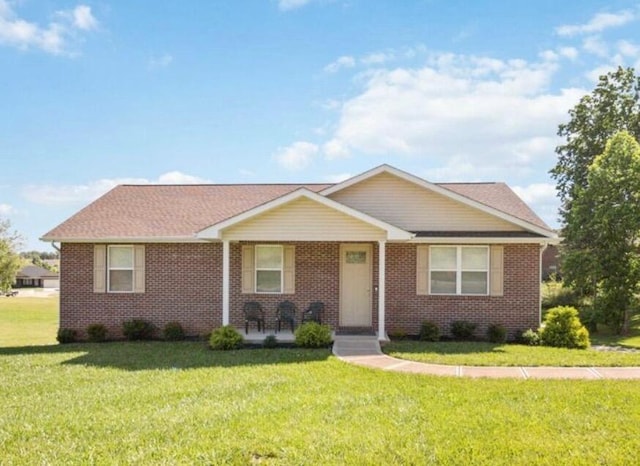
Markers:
{"x": 365, "y": 351}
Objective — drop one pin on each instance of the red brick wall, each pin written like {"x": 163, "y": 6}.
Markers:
{"x": 183, "y": 283}
{"x": 517, "y": 309}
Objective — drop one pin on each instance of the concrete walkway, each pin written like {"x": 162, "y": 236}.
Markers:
{"x": 365, "y": 351}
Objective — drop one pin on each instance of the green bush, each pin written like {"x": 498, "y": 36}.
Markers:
{"x": 562, "y": 328}
{"x": 397, "y": 333}
{"x": 137, "y": 329}
{"x": 429, "y": 331}
{"x": 496, "y": 333}
{"x": 462, "y": 329}
{"x": 173, "y": 331}
{"x": 313, "y": 335}
{"x": 270, "y": 341}
{"x": 97, "y": 333}
{"x": 529, "y": 337}
{"x": 225, "y": 338}
{"x": 555, "y": 294}
{"x": 66, "y": 335}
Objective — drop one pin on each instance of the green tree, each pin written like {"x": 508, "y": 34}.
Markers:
{"x": 10, "y": 261}
{"x": 614, "y": 105}
{"x": 607, "y": 214}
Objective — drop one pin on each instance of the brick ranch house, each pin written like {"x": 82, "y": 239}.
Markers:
{"x": 384, "y": 250}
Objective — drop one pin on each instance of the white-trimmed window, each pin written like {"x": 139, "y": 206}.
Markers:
{"x": 120, "y": 266}
{"x": 459, "y": 270}
{"x": 269, "y": 268}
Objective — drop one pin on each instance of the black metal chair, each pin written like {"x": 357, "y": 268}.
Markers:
{"x": 286, "y": 312}
{"x": 313, "y": 313}
{"x": 253, "y": 312}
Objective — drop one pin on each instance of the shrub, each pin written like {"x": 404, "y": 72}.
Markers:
{"x": 429, "y": 331}
{"x": 554, "y": 294}
{"x": 173, "y": 331}
{"x": 562, "y": 328}
{"x": 462, "y": 329}
{"x": 496, "y": 333}
{"x": 225, "y": 338}
{"x": 97, "y": 333}
{"x": 529, "y": 337}
{"x": 270, "y": 341}
{"x": 398, "y": 333}
{"x": 137, "y": 329}
{"x": 66, "y": 335}
{"x": 313, "y": 335}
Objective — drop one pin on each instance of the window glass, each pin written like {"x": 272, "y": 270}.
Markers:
{"x": 268, "y": 281}
{"x": 120, "y": 268}
{"x": 474, "y": 258}
{"x": 356, "y": 257}
{"x": 268, "y": 257}
{"x": 121, "y": 280}
{"x": 120, "y": 257}
{"x": 443, "y": 282}
{"x": 443, "y": 258}
{"x": 474, "y": 283}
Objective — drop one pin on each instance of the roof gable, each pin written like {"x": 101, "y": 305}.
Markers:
{"x": 348, "y": 214}
{"x": 496, "y": 200}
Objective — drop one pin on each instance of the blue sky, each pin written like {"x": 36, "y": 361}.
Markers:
{"x": 96, "y": 93}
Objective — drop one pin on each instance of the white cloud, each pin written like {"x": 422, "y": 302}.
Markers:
{"x": 286, "y": 5}
{"x": 297, "y": 156}
{"x": 54, "y": 38}
{"x": 543, "y": 199}
{"x": 598, "y": 23}
{"x": 161, "y": 62}
{"x": 337, "y": 177}
{"x": 377, "y": 58}
{"x": 6, "y": 209}
{"x": 465, "y": 114}
{"x": 344, "y": 61}
{"x": 628, "y": 49}
{"x": 568, "y": 52}
{"x": 83, "y": 18}
{"x": 83, "y": 193}
{"x": 595, "y": 46}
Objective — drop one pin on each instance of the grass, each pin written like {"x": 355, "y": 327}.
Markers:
{"x": 28, "y": 321}
{"x": 180, "y": 403}
{"x": 176, "y": 403}
{"x": 491, "y": 354}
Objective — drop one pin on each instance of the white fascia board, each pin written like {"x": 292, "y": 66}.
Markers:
{"x": 439, "y": 190}
{"x": 215, "y": 231}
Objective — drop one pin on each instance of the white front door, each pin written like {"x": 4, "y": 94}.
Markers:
{"x": 355, "y": 285}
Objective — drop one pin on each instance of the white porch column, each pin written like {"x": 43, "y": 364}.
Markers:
{"x": 225, "y": 282}
{"x": 381, "y": 290}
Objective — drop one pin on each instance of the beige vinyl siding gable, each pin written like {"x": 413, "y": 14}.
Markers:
{"x": 414, "y": 208}
{"x": 303, "y": 220}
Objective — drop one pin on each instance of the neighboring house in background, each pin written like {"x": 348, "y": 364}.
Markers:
{"x": 551, "y": 262}
{"x": 32, "y": 276}
{"x": 384, "y": 250}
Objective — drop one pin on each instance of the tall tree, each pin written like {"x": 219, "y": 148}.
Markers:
{"x": 614, "y": 105}
{"x": 607, "y": 211}
{"x": 9, "y": 259}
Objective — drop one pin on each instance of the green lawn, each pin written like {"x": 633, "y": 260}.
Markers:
{"x": 490, "y": 354}
{"x": 28, "y": 321}
{"x": 180, "y": 403}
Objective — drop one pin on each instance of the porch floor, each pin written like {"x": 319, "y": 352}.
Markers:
{"x": 286, "y": 336}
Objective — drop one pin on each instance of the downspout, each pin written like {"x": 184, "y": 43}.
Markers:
{"x": 542, "y": 249}
{"x": 53, "y": 245}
